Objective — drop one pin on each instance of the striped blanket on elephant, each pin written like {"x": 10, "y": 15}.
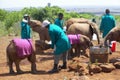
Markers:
{"x": 24, "y": 47}
{"x": 74, "y": 38}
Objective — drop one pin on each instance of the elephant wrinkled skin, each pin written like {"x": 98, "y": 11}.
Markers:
{"x": 13, "y": 58}
{"x": 113, "y": 35}
{"x": 37, "y": 27}
{"x": 41, "y": 46}
{"x": 82, "y": 45}
{"x": 85, "y": 29}
{"x": 75, "y": 20}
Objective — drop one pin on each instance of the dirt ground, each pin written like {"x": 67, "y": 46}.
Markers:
{"x": 44, "y": 64}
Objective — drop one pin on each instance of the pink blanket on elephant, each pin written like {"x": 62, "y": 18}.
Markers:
{"x": 74, "y": 38}
{"x": 24, "y": 47}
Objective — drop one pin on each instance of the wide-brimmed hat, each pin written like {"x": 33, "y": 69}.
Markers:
{"x": 45, "y": 23}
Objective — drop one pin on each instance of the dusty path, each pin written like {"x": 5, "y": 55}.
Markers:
{"x": 45, "y": 63}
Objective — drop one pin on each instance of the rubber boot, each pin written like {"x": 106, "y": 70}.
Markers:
{"x": 64, "y": 66}
{"x": 55, "y": 69}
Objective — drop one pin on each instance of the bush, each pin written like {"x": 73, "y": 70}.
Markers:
{"x": 3, "y": 31}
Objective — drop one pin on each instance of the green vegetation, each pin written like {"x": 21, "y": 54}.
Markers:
{"x": 10, "y": 20}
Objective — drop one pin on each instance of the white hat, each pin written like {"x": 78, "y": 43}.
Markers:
{"x": 25, "y": 15}
{"x": 45, "y": 23}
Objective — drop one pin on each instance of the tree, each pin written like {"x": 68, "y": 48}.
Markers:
{"x": 49, "y": 13}
{"x": 3, "y": 14}
{"x": 11, "y": 18}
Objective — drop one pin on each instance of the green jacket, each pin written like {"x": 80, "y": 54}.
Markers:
{"x": 59, "y": 22}
{"x": 25, "y": 30}
{"x": 59, "y": 39}
{"x": 107, "y": 23}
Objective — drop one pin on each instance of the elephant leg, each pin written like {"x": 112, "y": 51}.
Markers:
{"x": 77, "y": 51}
{"x": 70, "y": 54}
{"x": 32, "y": 59}
{"x": 10, "y": 63}
{"x": 17, "y": 63}
{"x": 81, "y": 51}
{"x": 84, "y": 53}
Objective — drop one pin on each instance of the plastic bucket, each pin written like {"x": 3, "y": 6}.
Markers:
{"x": 113, "y": 46}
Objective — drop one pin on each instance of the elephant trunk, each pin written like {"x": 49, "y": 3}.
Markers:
{"x": 98, "y": 38}
{"x": 94, "y": 29}
{"x": 107, "y": 40}
{"x": 42, "y": 44}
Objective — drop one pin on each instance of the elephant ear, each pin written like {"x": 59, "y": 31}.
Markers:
{"x": 94, "y": 27}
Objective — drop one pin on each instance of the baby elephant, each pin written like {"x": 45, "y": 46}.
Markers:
{"x": 80, "y": 43}
{"x": 17, "y": 50}
{"x": 41, "y": 45}
{"x": 113, "y": 35}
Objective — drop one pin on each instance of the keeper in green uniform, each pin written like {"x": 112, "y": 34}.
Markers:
{"x": 25, "y": 28}
{"x": 60, "y": 44}
{"x": 107, "y": 23}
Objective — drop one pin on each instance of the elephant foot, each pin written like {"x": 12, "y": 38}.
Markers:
{"x": 86, "y": 55}
{"x": 110, "y": 53}
{"x": 20, "y": 72}
{"x": 34, "y": 72}
{"x": 33, "y": 68}
{"x": 12, "y": 72}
